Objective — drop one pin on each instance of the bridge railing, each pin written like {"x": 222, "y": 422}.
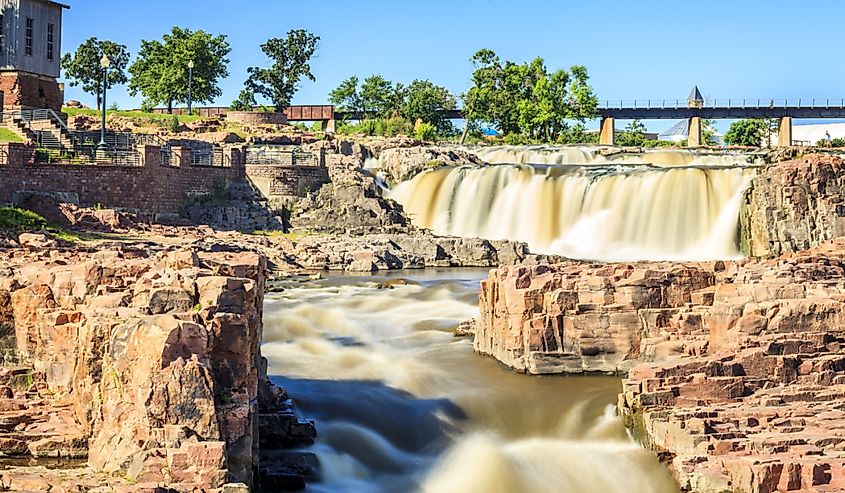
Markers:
{"x": 723, "y": 103}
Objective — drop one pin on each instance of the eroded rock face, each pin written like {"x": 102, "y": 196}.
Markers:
{"x": 148, "y": 366}
{"x": 736, "y": 370}
{"x": 576, "y": 317}
{"x": 403, "y": 163}
{"x": 794, "y": 205}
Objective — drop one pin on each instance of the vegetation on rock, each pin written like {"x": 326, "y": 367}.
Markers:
{"x": 16, "y": 220}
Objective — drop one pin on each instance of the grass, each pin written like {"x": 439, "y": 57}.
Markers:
{"x": 7, "y": 135}
{"x": 20, "y": 220}
{"x": 151, "y": 117}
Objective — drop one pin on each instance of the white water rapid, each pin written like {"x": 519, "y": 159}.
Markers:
{"x": 664, "y": 205}
{"x": 402, "y": 406}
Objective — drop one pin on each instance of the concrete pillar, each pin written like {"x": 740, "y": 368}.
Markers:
{"x": 330, "y": 126}
{"x": 785, "y": 131}
{"x": 694, "y": 138}
{"x": 608, "y": 131}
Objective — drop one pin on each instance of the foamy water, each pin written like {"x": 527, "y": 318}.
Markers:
{"x": 403, "y": 406}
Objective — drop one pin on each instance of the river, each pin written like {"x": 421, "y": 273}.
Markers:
{"x": 401, "y": 405}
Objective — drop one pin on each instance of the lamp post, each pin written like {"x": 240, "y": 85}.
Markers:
{"x": 104, "y": 62}
{"x": 190, "y": 84}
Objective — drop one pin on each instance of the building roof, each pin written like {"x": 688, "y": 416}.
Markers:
{"x": 57, "y": 4}
{"x": 695, "y": 94}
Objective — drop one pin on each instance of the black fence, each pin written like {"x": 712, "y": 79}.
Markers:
{"x": 280, "y": 156}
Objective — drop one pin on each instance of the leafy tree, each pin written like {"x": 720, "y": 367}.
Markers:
{"x": 748, "y": 132}
{"x": 161, "y": 71}
{"x": 428, "y": 102}
{"x": 380, "y": 97}
{"x": 244, "y": 102}
{"x": 291, "y": 58}
{"x": 526, "y": 98}
{"x": 632, "y": 135}
{"x": 347, "y": 97}
{"x": 83, "y": 66}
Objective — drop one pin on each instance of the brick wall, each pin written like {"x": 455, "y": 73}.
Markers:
{"x": 23, "y": 90}
{"x": 150, "y": 187}
{"x": 276, "y": 181}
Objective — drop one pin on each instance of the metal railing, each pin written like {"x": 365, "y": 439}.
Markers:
{"x": 88, "y": 156}
{"x": 279, "y": 156}
{"x": 212, "y": 156}
{"x": 723, "y": 103}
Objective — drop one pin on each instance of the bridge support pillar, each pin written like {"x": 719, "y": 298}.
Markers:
{"x": 785, "y": 131}
{"x": 607, "y": 135}
{"x": 330, "y": 126}
{"x": 694, "y": 137}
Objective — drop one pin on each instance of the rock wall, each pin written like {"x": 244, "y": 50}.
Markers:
{"x": 794, "y": 205}
{"x": 403, "y": 163}
{"x": 147, "y": 365}
{"x": 759, "y": 408}
{"x": 574, "y": 317}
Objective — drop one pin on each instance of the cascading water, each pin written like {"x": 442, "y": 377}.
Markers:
{"x": 403, "y": 406}
{"x": 687, "y": 210}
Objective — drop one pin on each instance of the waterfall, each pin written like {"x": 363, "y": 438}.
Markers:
{"x": 686, "y": 209}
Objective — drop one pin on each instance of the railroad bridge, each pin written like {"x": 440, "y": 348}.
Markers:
{"x": 695, "y": 108}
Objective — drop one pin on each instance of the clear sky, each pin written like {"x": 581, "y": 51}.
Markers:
{"x": 633, "y": 49}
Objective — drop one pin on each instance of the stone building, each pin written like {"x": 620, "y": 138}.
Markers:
{"x": 30, "y": 53}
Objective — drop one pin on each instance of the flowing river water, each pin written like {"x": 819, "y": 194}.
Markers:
{"x": 402, "y": 405}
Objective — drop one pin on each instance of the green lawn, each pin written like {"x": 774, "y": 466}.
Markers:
{"x": 7, "y": 135}
{"x": 133, "y": 114}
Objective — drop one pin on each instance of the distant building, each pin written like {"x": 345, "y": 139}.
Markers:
{"x": 680, "y": 132}
{"x": 811, "y": 134}
{"x": 30, "y": 53}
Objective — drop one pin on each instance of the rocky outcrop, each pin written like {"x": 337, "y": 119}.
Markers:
{"x": 759, "y": 409}
{"x": 403, "y": 163}
{"x": 379, "y": 252}
{"x": 574, "y": 317}
{"x": 735, "y": 369}
{"x": 794, "y": 205}
{"x": 146, "y": 365}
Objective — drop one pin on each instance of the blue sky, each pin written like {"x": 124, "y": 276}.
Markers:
{"x": 632, "y": 49}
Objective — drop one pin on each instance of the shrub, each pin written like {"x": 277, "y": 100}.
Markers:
{"x": 424, "y": 131}
{"x": 20, "y": 220}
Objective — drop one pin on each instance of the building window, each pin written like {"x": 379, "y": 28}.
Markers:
{"x": 50, "y": 42}
{"x": 28, "y": 36}
{"x": 2, "y": 31}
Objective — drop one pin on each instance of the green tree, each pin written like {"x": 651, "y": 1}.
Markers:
{"x": 347, "y": 97}
{"x": 244, "y": 102}
{"x": 290, "y": 58}
{"x": 428, "y": 102}
{"x": 379, "y": 97}
{"x": 526, "y": 98}
{"x": 632, "y": 135}
{"x": 748, "y": 132}
{"x": 160, "y": 72}
{"x": 82, "y": 67}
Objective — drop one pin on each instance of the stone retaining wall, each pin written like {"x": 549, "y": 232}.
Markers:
{"x": 151, "y": 187}
{"x": 286, "y": 181}
{"x": 257, "y": 117}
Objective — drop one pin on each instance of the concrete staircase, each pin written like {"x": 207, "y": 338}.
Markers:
{"x": 42, "y": 126}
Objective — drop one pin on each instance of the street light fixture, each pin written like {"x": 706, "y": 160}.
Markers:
{"x": 190, "y": 84}
{"x": 104, "y": 62}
